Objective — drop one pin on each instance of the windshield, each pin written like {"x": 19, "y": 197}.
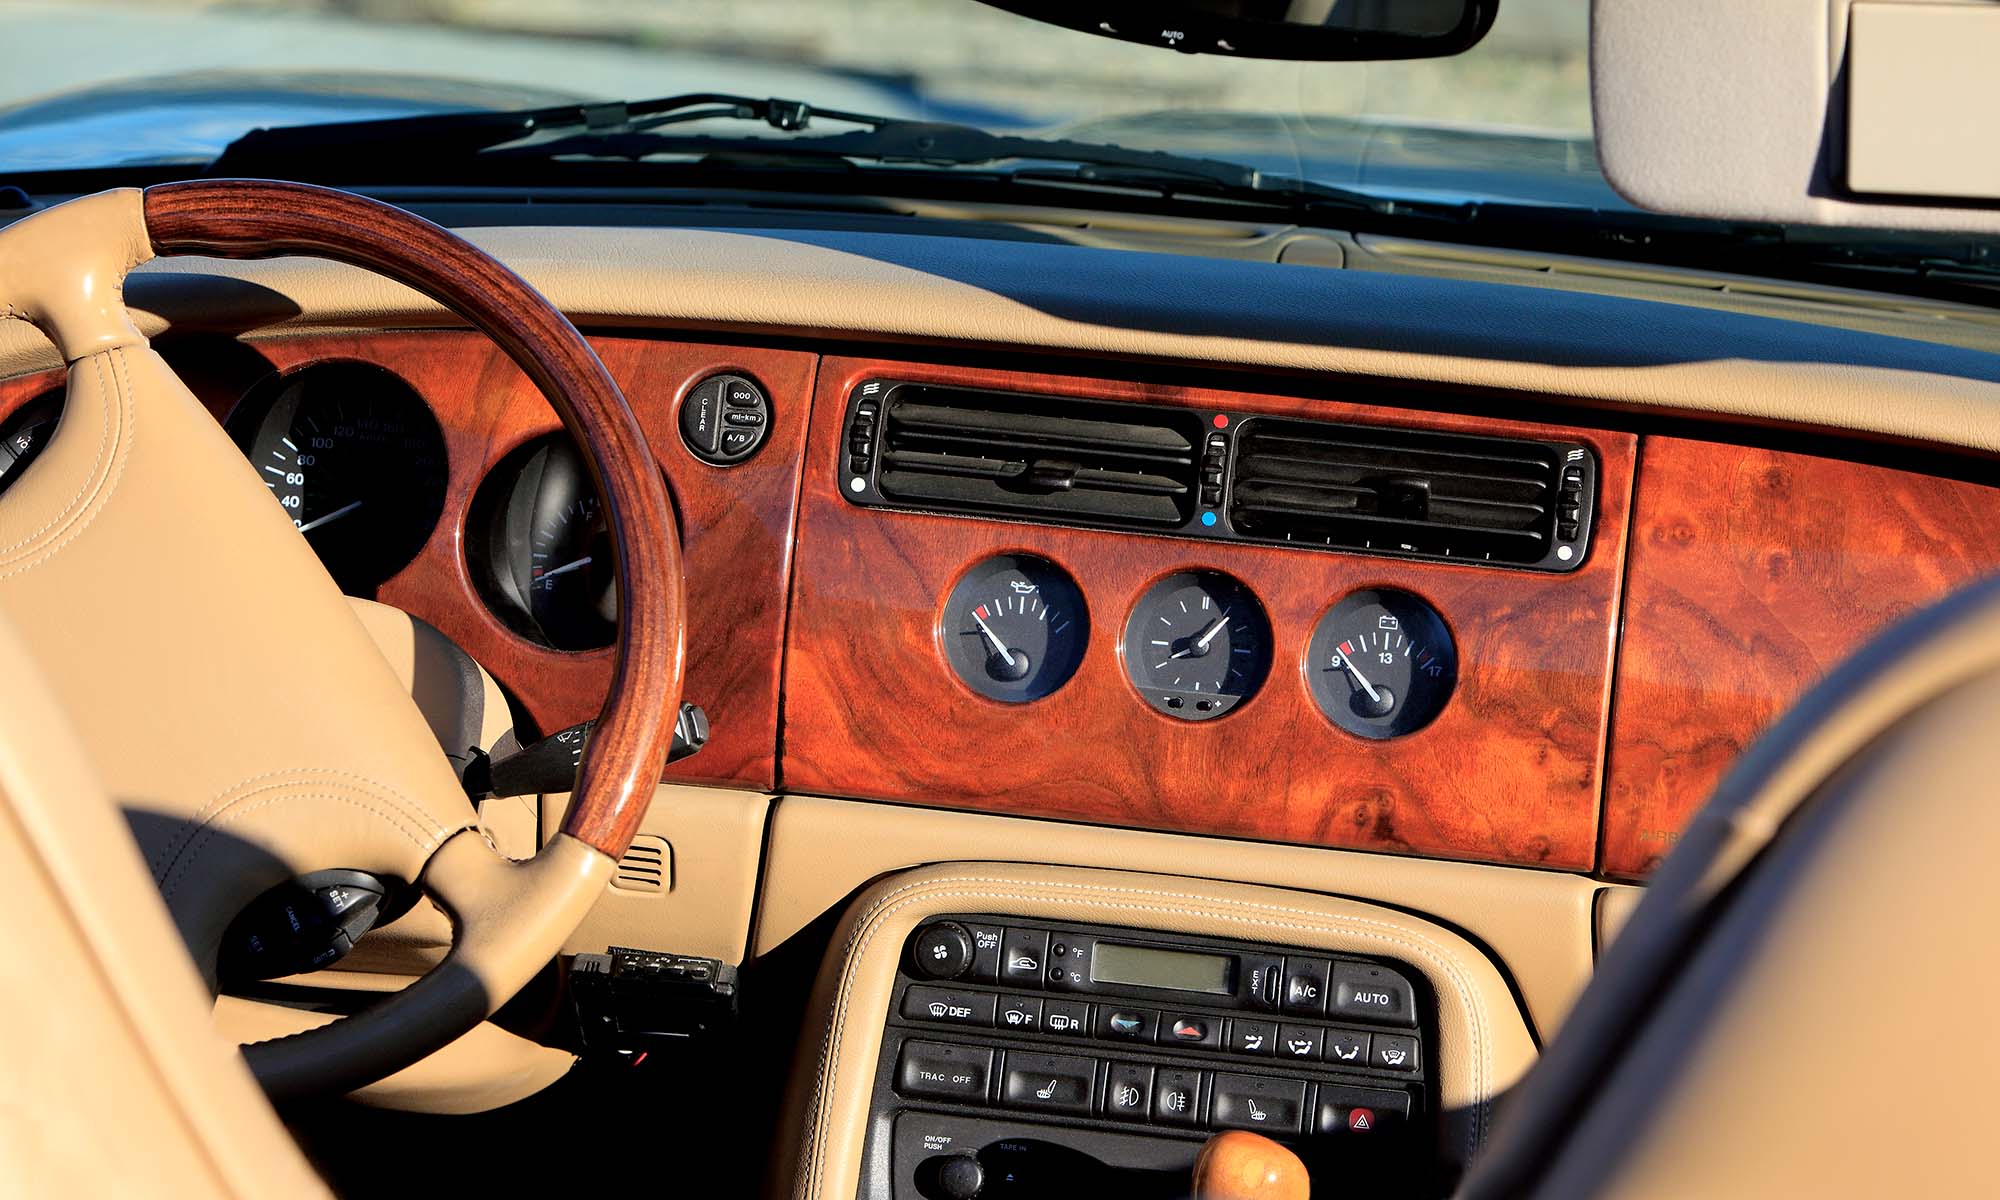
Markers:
{"x": 91, "y": 83}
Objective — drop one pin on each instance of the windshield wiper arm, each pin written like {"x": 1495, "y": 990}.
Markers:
{"x": 631, "y": 130}
{"x": 445, "y": 134}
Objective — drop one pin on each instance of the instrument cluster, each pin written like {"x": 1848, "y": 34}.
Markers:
{"x": 1196, "y": 645}
{"x": 357, "y": 460}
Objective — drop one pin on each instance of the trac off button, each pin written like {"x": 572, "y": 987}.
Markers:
{"x": 1373, "y": 994}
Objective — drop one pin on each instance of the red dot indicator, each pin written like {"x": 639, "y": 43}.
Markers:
{"x": 1222, "y": 420}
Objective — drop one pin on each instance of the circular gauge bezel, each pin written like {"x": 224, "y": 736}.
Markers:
{"x": 1423, "y": 628}
{"x": 498, "y": 556}
{"x": 409, "y": 500}
{"x": 969, "y": 673}
{"x": 1182, "y": 704}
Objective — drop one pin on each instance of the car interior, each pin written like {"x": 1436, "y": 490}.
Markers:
{"x": 1056, "y": 614}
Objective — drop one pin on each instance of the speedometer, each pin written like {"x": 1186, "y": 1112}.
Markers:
{"x": 356, "y": 459}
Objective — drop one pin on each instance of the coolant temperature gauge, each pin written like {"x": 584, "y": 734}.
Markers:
{"x": 1014, "y": 629}
{"x": 1381, "y": 664}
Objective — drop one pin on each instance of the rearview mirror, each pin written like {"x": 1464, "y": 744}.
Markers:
{"x": 1293, "y": 29}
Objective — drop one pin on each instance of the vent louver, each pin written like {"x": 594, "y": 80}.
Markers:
{"x": 1046, "y": 458}
{"x": 647, "y": 867}
{"x": 1410, "y": 492}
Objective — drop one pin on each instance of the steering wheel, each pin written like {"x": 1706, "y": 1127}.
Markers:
{"x": 237, "y": 710}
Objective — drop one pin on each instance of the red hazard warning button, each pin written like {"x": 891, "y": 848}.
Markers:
{"x": 1350, "y": 1110}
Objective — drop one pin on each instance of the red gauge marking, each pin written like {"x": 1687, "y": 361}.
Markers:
{"x": 1347, "y": 647}
{"x": 980, "y": 612}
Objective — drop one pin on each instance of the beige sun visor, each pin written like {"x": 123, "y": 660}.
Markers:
{"x": 1871, "y": 113}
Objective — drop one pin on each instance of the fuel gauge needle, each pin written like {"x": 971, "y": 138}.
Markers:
{"x": 565, "y": 569}
{"x": 1374, "y": 697}
{"x": 1006, "y": 655}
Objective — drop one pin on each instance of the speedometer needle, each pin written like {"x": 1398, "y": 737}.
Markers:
{"x": 565, "y": 569}
{"x": 1374, "y": 697}
{"x": 335, "y": 515}
{"x": 999, "y": 646}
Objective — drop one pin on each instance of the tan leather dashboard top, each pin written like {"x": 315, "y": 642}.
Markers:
{"x": 1605, "y": 761}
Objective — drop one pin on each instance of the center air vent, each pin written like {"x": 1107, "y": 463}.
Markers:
{"x": 1044, "y": 458}
{"x": 1411, "y": 492}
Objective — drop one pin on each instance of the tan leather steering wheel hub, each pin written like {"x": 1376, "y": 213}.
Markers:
{"x": 238, "y": 712}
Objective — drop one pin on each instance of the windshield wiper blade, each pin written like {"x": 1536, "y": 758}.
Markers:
{"x": 632, "y": 131}
{"x": 464, "y": 133}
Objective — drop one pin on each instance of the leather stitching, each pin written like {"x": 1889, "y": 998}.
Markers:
{"x": 196, "y": 844}
{"x": 163, "y": 858}
{"x": 115, "y": 434}
{"x": 876, "y": 917}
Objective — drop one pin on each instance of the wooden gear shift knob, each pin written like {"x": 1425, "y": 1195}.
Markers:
{"x": 1248, "y": 1166}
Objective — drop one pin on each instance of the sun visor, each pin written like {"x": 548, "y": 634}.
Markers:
{"x": 1832, "y": 112}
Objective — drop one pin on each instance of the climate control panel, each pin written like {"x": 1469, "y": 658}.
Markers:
{"x": 1097, "y": 1043}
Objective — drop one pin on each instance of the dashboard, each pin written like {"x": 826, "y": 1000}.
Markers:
{"x": 875, "y": 618}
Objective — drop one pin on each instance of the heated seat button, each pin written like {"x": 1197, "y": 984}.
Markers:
{"x": 948, "y": 1008}
{"x": 1128, "y": 1091}
{"x": 1254, "y": 1102}
{"x": 1347, "y": 1046}
{"x": 1305, "y": 985}
{"x": 945, "y": 1072}
{"x": 1049, "y": 1082}
{"x": 1394, "y": 1052}
{"x": 1176, "y": 1096}
{"x": 1126, "y": 1024}
{"x": 1348, "y": 1110}
{"x": 1189, "y": 1030}
{"x": 1023, "y": 952}
{"x": 1370, "y": 993}
{"x": 1253, "y": 1037}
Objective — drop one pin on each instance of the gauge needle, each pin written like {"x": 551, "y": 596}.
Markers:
{"x": 1006, "y": 655}
{"x": 564, "y": 569}
{"x": 335, "y": 515}
{"x": 1374, "y": 697}
{"x": 1199, "y": 645}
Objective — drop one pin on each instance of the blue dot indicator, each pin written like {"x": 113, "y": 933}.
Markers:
{"x": 1208, "y": 518}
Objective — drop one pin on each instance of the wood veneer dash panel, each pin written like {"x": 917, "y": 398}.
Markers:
{"x": 1510, "y": 772}
{"x": 1753, "y": 573}
{"x": 736, "y": 522}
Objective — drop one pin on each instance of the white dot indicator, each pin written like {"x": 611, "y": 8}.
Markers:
{"x": 858, "y": 484}
{"x": 1565, "y": 553}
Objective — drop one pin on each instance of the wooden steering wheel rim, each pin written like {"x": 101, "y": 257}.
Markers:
{"x": 246, "y": 218}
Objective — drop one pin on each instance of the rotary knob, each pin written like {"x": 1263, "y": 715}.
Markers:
{"x": 943, "y": 950}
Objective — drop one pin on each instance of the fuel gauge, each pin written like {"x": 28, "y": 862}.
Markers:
{"x": 1014, "y": 629}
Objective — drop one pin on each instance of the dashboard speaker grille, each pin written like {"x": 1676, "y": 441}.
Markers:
{"x": 1051, "y": 458}
{"x": 1411, "y": 492}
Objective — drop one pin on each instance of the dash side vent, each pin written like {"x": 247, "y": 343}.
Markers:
{"x": 1047, "y": 458}
{"x": 1412, "y": 492}
{"x": 647, "y": 867}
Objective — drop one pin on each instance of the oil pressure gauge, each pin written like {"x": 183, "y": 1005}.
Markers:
{"x": 1381, "y": 664}
{"x": 1014, "y": 628}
